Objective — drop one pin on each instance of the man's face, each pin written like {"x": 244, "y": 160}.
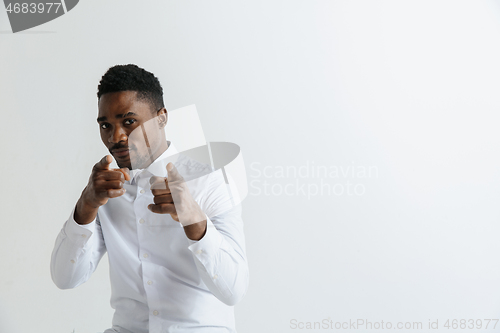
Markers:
{"x": 131, "y": 131}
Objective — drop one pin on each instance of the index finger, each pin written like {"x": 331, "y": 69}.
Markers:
{"x": 104, "y": 163}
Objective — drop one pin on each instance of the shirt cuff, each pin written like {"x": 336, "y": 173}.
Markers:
{"x": 79, "y": 233}
{"x": 208, "y": 244}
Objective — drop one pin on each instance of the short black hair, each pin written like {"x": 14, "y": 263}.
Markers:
{"x": 132, "y": 78}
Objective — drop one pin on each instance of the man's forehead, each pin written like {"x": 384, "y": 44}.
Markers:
{"x": 121, "y": 103}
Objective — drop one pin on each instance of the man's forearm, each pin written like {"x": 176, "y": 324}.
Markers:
{"x": 84, "y": 212}
{"x": 221, "y": 259}
{"x": 76, "y": 253}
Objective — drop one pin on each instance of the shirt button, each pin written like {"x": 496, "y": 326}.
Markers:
{"x": 155, "y": 312}
{"x": 141, "y": 221}
{"x": 142, "y": 191}
{"x": 150, "y": 282}
{"x": 84, "y": 236}
{"x": 216, "y": 276}
{"x": 199, "y": 252}
{"x": 145, "y": 255}
{"x": 72, "y": 261}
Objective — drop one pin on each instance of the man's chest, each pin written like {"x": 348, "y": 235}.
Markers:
{"x": 138, "y": 239}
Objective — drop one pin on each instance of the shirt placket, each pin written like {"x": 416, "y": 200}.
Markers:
{"x": 143, "y": 199}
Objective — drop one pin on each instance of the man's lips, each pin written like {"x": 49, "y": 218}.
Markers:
{"x": 122, "y": 152}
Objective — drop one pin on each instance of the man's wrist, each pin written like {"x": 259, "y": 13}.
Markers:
{"x": 85, "y": 213}
{"x": 88, "y": 203}
{"x": 196, "y": 231}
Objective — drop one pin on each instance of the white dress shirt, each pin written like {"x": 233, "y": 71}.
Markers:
{"x": 161, "y": 281}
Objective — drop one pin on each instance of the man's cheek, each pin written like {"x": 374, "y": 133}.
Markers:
{"x": 135, "y": 156}
{"x": 137, "y": 138}
{"x": 104, "y": 140}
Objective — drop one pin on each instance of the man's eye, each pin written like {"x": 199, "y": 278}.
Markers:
{"x": 129, "y": 121}
{"x": 104, "y": 125}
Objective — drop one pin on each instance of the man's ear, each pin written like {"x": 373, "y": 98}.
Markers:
{"x": 162, "y": 117}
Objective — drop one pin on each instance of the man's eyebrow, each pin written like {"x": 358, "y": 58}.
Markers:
{"x": 125, "y": 115}
{"x": 128, "y": 114}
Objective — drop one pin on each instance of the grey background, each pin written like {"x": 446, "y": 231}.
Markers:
{"x": 408, "y": 87}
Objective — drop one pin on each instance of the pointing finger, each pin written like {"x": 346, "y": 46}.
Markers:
{"x": 173, "y": 173}
{"x": 104, "y": 163}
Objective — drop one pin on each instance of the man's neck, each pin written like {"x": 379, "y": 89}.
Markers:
{"x": 153, "y": 157}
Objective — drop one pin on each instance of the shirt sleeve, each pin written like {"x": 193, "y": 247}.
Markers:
{"x": 220, "y": 255}
{"x": 77, "y": 251}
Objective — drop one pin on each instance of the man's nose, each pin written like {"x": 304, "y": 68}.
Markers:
{"x": 118, "y": 135}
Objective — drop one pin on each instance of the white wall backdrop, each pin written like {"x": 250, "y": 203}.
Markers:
{"x": 369, "y": 130}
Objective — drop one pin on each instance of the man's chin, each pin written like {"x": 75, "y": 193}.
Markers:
{"x": 138, "y": 162}
{"x": 123, "y": 163}
{"x": 132, "y": 162}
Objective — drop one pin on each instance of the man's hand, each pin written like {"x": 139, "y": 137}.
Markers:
{"x": 163, "y": 202}
{"x": 103, "y": 184}
{"x": 172, "y": 196}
